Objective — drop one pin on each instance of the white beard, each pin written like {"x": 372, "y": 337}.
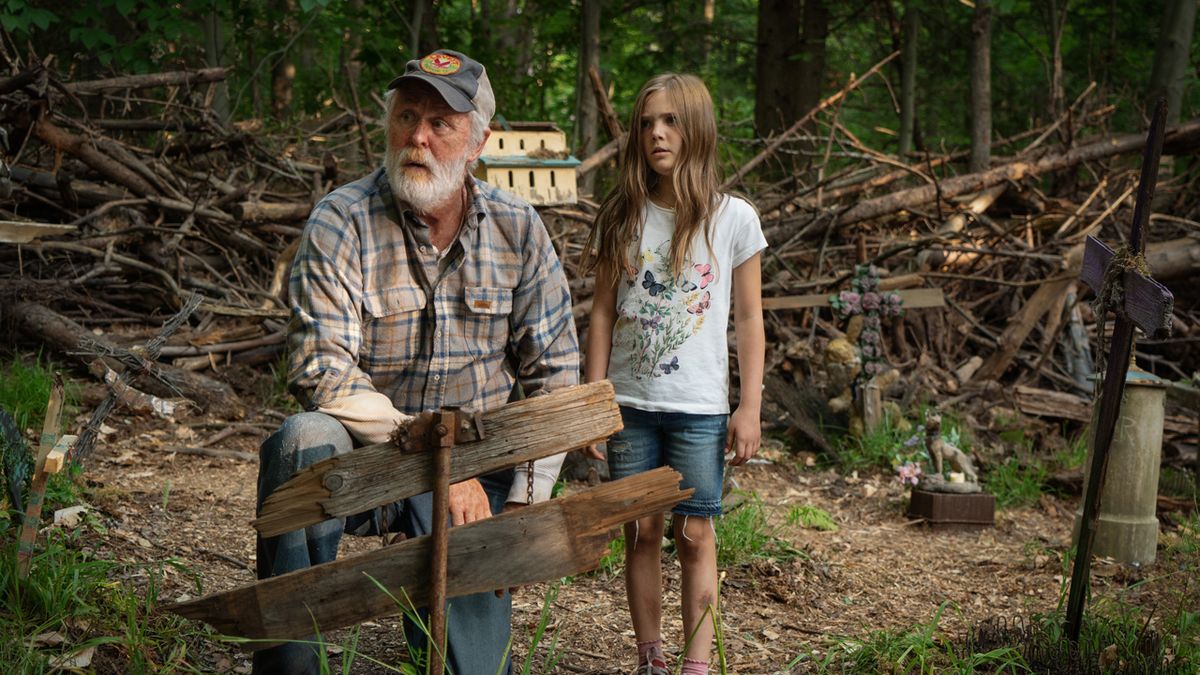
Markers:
{"x": 423, "y": 192}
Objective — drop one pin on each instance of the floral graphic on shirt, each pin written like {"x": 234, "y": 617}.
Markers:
{"x": 660, "y": 312}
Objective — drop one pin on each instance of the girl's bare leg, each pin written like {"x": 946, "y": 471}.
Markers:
{"x": 697, "y": 546}
{"x": 643, "y": 576}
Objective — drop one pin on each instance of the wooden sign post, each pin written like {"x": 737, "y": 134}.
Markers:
{"x": 1141, "y": 301}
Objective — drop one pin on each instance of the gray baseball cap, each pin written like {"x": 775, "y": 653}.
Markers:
{"x": 456, "y": 76}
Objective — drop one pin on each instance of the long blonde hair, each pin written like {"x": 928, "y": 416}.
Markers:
{"x": 696, "y": 180}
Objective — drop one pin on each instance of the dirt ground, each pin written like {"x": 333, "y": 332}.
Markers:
{"x": 877, "y": 571}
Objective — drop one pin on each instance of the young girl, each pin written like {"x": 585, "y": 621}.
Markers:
{"x": 669, "y": 250}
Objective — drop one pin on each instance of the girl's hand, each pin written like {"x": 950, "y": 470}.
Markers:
{"x": 592, "y": 451}
{"x": 744, "y": 435}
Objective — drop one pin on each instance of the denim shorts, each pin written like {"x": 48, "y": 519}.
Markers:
{"x": 693, "y": 445}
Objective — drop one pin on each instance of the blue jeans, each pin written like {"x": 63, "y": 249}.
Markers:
{"x": 693, "y": 445}
{"x": 477, "y": 626}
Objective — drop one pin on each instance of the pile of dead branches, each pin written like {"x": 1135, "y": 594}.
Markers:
{"x": 128, "y": 195}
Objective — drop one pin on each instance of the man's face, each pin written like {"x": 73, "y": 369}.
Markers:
{"x": 429, "y": 147}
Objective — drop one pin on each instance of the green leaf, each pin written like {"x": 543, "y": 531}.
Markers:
{"x": 42, "y": 18}
{"x": 126, "y": 7}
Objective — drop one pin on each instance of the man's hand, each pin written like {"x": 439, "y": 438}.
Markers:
{"x": 744, "y": 435}
{"x": 592, "y": 451}
{"x": 468, "y": 503}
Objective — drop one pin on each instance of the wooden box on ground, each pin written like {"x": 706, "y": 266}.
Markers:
{"x": 942, "y": 508}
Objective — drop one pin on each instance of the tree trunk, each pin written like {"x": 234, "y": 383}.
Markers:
{"x": 283, "y": 73}
{"x": 587, "y": 115}
{"x": 1057, "y": 20}
{"x": 814, "y": 30}
{"x": 708, "y": 14}
{"x": 1169, "y": 76}
{"x": 214, "y": 57}
{"x": 777, "y": 95}
{"x": 351, "y": 47}
{"x": 981, "y": 87}
{"x": 908, "y": 82}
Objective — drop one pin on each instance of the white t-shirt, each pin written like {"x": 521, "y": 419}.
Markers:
{"x": 670, "y": 352}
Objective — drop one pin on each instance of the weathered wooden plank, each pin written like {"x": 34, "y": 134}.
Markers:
{"x": 380, "y": 474}
{"x": 572, "y": 534}
{"x": 18, "y": 232}
{"x": 1147, "y": 303}
{"x": 1050, "y": 403}
{"x": 917, "y": 298}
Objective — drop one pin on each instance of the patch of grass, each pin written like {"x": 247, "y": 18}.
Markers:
{"x": 1180, "y": 484}
{"x": 1015, "y": 483}
{"x": 1114, "y": 637}
{"x": 744, "y": 534}
{"x": 811, "y": 517}
{"x": 884, "y": 448}
{"x": 279, "y": 398}
{"x": 25, "y": 393}
{"x": 921, "y": 649}
{"x": 77, "y": 601}
{"x": 613, "y": 560}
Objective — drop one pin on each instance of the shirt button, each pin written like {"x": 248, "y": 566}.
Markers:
{"x": 437, "y": 378}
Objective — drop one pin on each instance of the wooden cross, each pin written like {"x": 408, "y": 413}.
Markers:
{"x": 544, "y": 541}
{"x": 51, "y": 457}
{"x": 1145, "y": 303}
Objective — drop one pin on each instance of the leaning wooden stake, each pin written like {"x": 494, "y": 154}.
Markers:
{"x": 1138, "y": 293}
{"x": 379, "y": 474}
{"x": 50, "y": 458}
{"x": 548, "y": 540}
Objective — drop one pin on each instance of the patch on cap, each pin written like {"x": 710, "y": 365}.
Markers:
{"x": 441, "y": 64}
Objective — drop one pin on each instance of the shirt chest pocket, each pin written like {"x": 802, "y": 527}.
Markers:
{"x": 485, "y": 329}
{"x": 392, "y": 326}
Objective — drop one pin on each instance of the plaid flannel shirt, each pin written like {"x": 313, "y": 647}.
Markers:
{"x": 375, "y": 308}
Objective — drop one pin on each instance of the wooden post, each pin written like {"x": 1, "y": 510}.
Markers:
{"x": 50, "y": 456}
{"x": 442, "y": 440}
{"x": 1144, "y": 302}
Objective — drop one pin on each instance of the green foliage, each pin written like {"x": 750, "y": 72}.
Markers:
{"x": 25, "y": 393}
{"x": 553, "y": 653}
{"x": 811, "y": 517}
{"x": 278, "y": 398}
{"x": 1015, "y": 483}
{"x": 82, "y": 598}
{"x": 884, "y": 448}
{"x": 531, "y": 53}
{"x": 743, "y": 534}
{"x": 613, "y": 560}
{"x": 917, "y": 650}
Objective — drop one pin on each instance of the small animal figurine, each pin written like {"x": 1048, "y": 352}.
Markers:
{"x": 940, "y": 450}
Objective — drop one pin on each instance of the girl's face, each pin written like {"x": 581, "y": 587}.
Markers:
{"x": 661, "y": 141}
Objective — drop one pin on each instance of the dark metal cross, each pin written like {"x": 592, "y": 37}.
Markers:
{"x": 1142, "y": 302}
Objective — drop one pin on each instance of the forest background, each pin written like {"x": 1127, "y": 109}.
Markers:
{"x": 766, "y": 63}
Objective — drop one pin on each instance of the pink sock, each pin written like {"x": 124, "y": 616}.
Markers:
{"x": 694, "y": 667}
{"x": 650, "y": 649}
